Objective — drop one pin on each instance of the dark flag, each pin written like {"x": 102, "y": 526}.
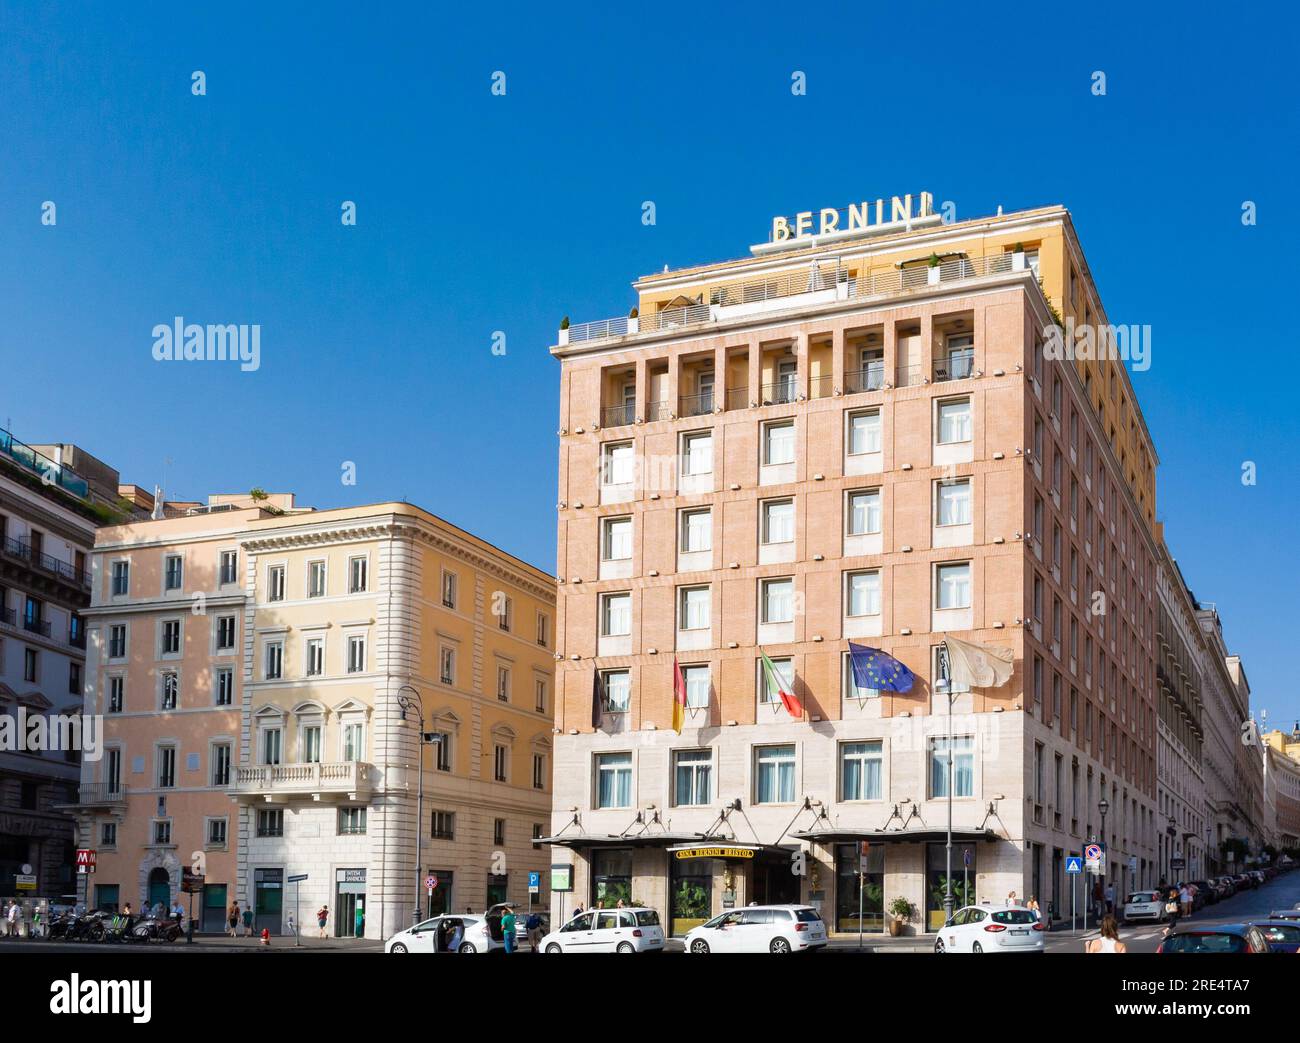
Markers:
{"x": 597, "y": 698}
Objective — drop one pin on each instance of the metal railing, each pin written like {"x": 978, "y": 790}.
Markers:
{"x": 77, "y": 640}
{"x": 780, "y": 393}
{"x": 696, "y": 405}
{"x": 658, "y": 411}
{"x": 869, "y": 378}
{"x": 598, "y": 330}
{"x": 958, "y": 366}
{"x": 39, "y": 559}
{"x": 36, "y": 626}
{"x": 8, "y": 616}
{"x": 101, "y": 793}
{"x": 793, "y": 284}
{"x": 618, "y": 416}
{"x": 673, "y": 318}
{"x": 42, "y": 466}
{"x": 737, "y": 398}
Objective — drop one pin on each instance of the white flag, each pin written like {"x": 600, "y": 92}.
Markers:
{"x": 978, "y": 666}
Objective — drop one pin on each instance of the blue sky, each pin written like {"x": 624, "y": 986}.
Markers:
{"x": 479, "y": 213}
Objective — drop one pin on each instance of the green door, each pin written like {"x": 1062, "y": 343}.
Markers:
{"x": 214, "y": 909}
{"x": 268, "y": 899}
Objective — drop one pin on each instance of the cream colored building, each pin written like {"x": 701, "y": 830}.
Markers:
{"x": 264, "y": 671}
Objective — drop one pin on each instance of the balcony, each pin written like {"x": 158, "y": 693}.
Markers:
{"x": 9, "y": 617}
{"x": 99, "y": 795}
{"x": 36, "y": 626}
{"x": 870, "y": 378}
{"x": 42, "y": 466}
{"x": 343, "y": 780}
{"x": 36, "y": 559}
{"x": 696, "y": 405}
{"x": 618, "y": 416}
{"x": 780, "y": 393}
{"x": 956, "y": 366}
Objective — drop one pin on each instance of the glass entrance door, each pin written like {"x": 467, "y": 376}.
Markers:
{"x": 690, "y": 894}
{"x": 349, "y": 903}
{"x": 866, "y": 901}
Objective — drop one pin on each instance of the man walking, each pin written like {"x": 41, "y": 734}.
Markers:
{"x": 533, "y": 925}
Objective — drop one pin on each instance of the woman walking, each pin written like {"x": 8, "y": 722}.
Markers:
{"x": 232, "y": 920}
{"x": 1108, "y": 941}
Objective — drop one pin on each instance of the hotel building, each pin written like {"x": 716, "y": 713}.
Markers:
{"x": 853, "y": 436}
{"x": 268, "y": 676}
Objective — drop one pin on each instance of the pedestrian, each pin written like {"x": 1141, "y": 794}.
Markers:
{"x": 11, "y": 919}
{"x": 1172, "y": 907}
{"x": 322, "y": 915}
{"x": 1098, "y": 899}
{"x": 577, "y": 912}
{"x": 1108, "y": 940}
{"x": 178, "y": 912}
{"x": 1032, "y": 906}
{"x": 1110, "y": 898}
{"x": 1011, "y": 898}
{"x": 533, "y": 928}
{"x": 248, "y": 922}
{"x": 1184, "y": 900}
{"x": 508, "y": 929}
{"x": 457, "y": 935}
{"x": 232, "y": 920}
{"x": 360, "y": 920}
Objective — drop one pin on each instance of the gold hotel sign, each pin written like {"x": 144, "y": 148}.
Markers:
{"x": 863, "y": 217}
{"x": 715, "y": 852}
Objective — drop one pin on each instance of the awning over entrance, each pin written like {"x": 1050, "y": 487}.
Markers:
{"x": 593, "y": 840}
{"x": 829, "y": 835}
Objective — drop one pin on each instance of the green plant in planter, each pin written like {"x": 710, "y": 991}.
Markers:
{"x": 633, "y": 313}
{"x": 564, "y": 323}
{"x": 900, "y": 908}
{"x": 1019, "y": 248}
{"x": 934, "y": 260}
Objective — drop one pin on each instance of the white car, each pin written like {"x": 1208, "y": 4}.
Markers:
{"x": 991, "y": 928}
{"x": 435, "y": 935}
{"x": 1143, "y": 905}
{"x": 760, "y": 928}
{"x": 608, "y": 930}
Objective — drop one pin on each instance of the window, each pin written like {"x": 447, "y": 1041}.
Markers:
{"x": 221, "y": 764}
{"x": 224, "y": 679}
{"x": 172, "y": 572}
{"x": 117, "y": 641}
{"x": 443, "y": 751}
{"x": 352, "y": 822}
{"x": 170, "y": 690}
{"x": 539, "y": 690}
{"x": 618, "y": 690}
{"x": 862, "y": 516}
{"x": 774, "y": 775}
{"x": 499, "y": 831}
{"x": 614, "y": 780}
{"x": 357, "y": 654}
{"x": 275, "y": 583}
{"x": 777, "y": 600}
{"x": 616, "y": 539}
{"x": 270, "y": 822}
{"x": 778, "y": 521}
{"x": 864, "y": 432}
{"x": 442, "y": 825}
{"x": 162, "y": 832}
{"x": 272, "y": 739}
{"x": 694, "y": 607}
{"x": 311, "y": 744}
{"x": 225, "y": 633}
{"x": 358, "y": 575}
{"x": 697, "y": 454}
{"x": 615, "y": 615}
{"x": 500, "y": 762}
{"x": 618, "y": 465}
{"x": 30, "y": 663}
{"x": 862, "y": 593}
{"x": 539, "y": 771}
{"x": 74, "y": 678}
{"x": 447, "y": 668}
{"x": 697, "y": 686}
{"x": 778, "y": 442}
{"x": 115, "y": 686}
{"x": 315, "y": 656}
{"x": 543, "y": 629}
{"x": 449, "y": 590}
{"x": 354, "y": 741}
{"x": 171, "y": 637}
{"x": 503, "y": 683}
{"x": 953, "y": 503}
{"x": 316, "y": 579}
{"x": 166, "y": 761}
{"x": 274, "y": 660}
{"x": 506, "y": 614}
{"x": 767, "y": 695}
{"x": 861, "y": 767}
{"x": 952, "y": 586}
{"x": 692, "y": 777}
{"x": 108, "y": 834}
{"x": 228, "y": 569}
{"x": 121, "y": 578}
{"x": 954, "y": 421}
{"x": 697, "y": 531}
{"x": 963, "y": 767}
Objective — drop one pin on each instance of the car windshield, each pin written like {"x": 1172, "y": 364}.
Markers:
{"x": 807, "y": 916}
{"x": 1205, "y": 943}
{"x": 647, "y": 918}
{"x": 1015, "y": 916}
{"x": 1143, "y": 896}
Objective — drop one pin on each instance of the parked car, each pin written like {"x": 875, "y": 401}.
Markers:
{"x": 608, "y": 930}
{"x": 760, "y": 928}
{"x": 1285, "y": 914}
{"x": 1244, "y": 880}
{"x": 1206, "y": 891}
{"x": 1223, "y": 887}
{"x": 435, "y": 935}
{"x": 1281, "y": 935}
{"x": 1236, "y": 937}
{"x": 1143, "y": 905}
{"x": 991, "y": 928}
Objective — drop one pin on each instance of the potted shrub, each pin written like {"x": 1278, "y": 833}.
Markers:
{"x": 900, "y": 910}
{"x": 932, "y": 276}
{"x": 1018, "y": 258}
{"x": 564, "y": 323}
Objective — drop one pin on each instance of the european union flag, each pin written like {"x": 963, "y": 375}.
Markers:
{"x": 873, "y": 668}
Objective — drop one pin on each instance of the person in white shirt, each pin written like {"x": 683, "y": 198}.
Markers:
{"x": 1108, "y": 940}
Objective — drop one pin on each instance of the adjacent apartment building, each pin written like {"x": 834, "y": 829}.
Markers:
{"x": 270, "y": 676}
{"x": 858, "y": 435}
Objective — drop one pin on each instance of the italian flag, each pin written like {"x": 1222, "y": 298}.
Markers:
{"x": 679, "y": 697}
{"x": 788, "y": 699}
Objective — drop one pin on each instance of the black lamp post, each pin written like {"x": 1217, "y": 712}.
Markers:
{"x": 423, "y": 739}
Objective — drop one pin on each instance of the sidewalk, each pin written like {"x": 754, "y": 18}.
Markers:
{"x": 283, "y": 941}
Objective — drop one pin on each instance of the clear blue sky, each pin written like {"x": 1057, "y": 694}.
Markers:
{"x": 479, "y": 213}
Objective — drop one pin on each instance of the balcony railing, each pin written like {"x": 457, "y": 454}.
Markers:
{"x": 9, "y": 617}
{"x": 77, "y": 640}
{"x": 42, "y": 466}
{"x": 869, "y": 378}
{"x": 36, "y": 626}
{"x": 342, "y": 778}
{"x": 25, "y": 552}
{"x": 696, "y": 405}
{"x": 90, "y": 794}
{"x": 658, "y": 411}
{"x": 954, "y": 367}
{"x": 618, "y": 416}
{"x": 781, "y": 392}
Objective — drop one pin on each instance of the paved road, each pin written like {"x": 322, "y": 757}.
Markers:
{"x": 1282, "y": 892}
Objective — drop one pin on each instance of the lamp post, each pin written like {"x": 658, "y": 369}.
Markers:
{"x": 405, "y": 703}
{"x": 1103, "y": 806}
{"x": 946, "y": 681}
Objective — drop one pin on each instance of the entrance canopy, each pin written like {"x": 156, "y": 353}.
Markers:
{"x": 830, "y": 835}
{"x": 599, "y": 840}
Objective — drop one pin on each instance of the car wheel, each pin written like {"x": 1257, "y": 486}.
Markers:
{"x": 553, "y": 948}
{"x": 625, "y": 947}
{"x": 699, "y": 946}
{"x": 976, "y": 947}
{"x": 938, "y": 945}
{"x": 467, "y": 947}
{"x": 398, "y": 947}
{"x": 779, "y": 945}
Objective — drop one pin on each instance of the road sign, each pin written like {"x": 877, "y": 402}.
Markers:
{"x": 296, "y": 879}
{"x": 534, "y": 883}
{"x": 85, "y": 860}
{"x": 431, "y": 881}
{"x": 25, "y": 882}
{"x": 191, "y": 882}
{"x": 1095, "y": 856}
{"x": 1177, "y": 863}
{"x": 1073, "y": 864}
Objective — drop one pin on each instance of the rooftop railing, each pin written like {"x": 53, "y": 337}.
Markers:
{"x": 42, "y": 466}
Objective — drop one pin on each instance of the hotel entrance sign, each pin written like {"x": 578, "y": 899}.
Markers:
{"x": 870, "y": 217}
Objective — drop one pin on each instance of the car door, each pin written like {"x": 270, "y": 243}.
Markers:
{"x": 973, "y": 930}
{"x": 424, "y": 935}
{"x": 576, "y": 935}
{"x": 951, "y": 933}
{"x": 727, "y": 934}
{"x": 605, "y": 936}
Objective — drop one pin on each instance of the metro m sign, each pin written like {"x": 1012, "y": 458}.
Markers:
{"x": 85, "y": 860}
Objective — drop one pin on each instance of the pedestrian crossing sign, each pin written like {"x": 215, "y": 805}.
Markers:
{"x": 1073, "y": 864}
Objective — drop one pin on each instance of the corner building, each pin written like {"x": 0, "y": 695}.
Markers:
{"x": 852, "y": 440}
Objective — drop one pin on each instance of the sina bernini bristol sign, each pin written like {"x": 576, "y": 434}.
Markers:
{"x": 870, "y": 217}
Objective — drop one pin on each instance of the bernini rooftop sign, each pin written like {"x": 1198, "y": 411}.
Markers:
{"x": 870, "y": 217}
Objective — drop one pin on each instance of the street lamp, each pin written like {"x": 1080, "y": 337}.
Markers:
{"x": 944, "y": 684}
{"x": 422, "y": 740}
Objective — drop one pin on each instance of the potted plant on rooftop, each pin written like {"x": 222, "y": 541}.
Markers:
{"x": 1018, "y": 258}
{"x": 932, "y": 276}
{"x": 900, "y": 911}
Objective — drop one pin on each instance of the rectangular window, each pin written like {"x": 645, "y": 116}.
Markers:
{"x": 442, "y": 825}
{"x": 272, "y": 739}
{"x": 506, "y": 615}
{"x": 352, "y": 822}
{"x": 121, "y": 578}
{"x": 503, "y": 684}
{"x": 108, "y": 834}
{"x": 615, "y": 615}
{"x": 499, "y": 832}
{"x": 963, "y": 767}
{"x": 221, "y": 764}
{"x": 172, "y": 572}
{"x": 229, "y": 567}
{"x": 954, "y": 421}
{"x": 539, "y": 771}
{"x": 774, "y": 775}
{"x": 618, "y": 690}
{"x": 778, "y": 442}
{"x": 357, "y": 654}
{"x": 224, "y": 679}
{"x": 862, "y": 593}
{"x": 697, "y": 686}
{"x": 115, "y": 687}
{"x": 447, "y": 666}
{"x": 170, "y": 690}
{"x": 354, "y": 741}
{"x": 275, "y": 583}
{"x": 952, "y": 586}
{"x": 697, "y": 454}
{"x": 443, "y": 750}
{"x": 171, "y": 637}
{"x": 618, "y": 464}
{"x": 270, "y": 822}
{"x": 543, "y": 629}
{"x": 616, "y": 539}
{"x": 162, "y": 832}
{"x": 697, "y": 531}
{"x": 166, "y": 767}
{"x": 767, "y": 694}
{"x": 30, "y": 664}
{"x": 358, "y": 575}
{"x": 539, "y": 690}
{"x": 864, "y": 432}
{"x": 274, "y": 660}
{"x": 117, "y": 641}
{"x": 225, "y": 633}
{"x": 694, "y": 608}
{"x": 953, "y": 503}
{"x": 777, "y": 600}
{"x": 692, "y": 777}
{"x": 449, "y": 590}
{"x": 778, "y": 521}
{"x": 861, "y": 769}
{"x": 500, "y": 762}
{"x": 311, "y": 744}
{"x": 315, "y": 656}
{"x": 316, "y": 579}
{"x": 862, "y": 513}
{"x": 614, "y": 780}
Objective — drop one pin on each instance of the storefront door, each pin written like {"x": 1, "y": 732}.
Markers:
{"x": 774, "y": 883}
{"x": 160, "y": 889}
{"x": 349, "y": 903}
{"x": 690, "y": 894}
{"x": 611, "y": 878}
{"x": 848, "y": 894}
{"x": 213, "y": 915}
{"x": 963, "y": 883}
{"x": 268, "y": 899}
